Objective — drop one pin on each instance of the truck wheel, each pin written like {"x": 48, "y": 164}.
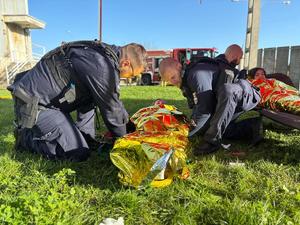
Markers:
{"x": 146, "y": 79}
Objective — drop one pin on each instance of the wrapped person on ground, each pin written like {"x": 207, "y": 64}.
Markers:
{"x": 275, "y": 95}
{"x": 157, "y": 151}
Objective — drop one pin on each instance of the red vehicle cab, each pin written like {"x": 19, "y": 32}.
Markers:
{"x": 188, "y": 55}
{"x": 183, "y": 55}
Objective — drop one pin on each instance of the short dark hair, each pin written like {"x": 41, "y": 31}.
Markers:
{"x": 253, "y": 71}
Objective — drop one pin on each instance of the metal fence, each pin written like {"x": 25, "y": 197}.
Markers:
{"x": 281, "y": 60}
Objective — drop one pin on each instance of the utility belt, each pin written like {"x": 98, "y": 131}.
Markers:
{"x": 189, "y": 95}
{"x": 26, "y": 108}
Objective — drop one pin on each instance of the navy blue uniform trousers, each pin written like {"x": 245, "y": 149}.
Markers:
{"x": 232, "y": 99}
{"x": 56, "y": 136}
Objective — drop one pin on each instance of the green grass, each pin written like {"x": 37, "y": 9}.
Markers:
{"x": 265, "y": 190}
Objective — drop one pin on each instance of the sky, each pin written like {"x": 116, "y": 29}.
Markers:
{"x": 164, "y": 24}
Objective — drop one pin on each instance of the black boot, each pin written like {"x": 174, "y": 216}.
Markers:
{"x": 92, "y": 143}
{"x": 248, "y": 129}
{"x": 21, "y": 135}
{"x": 257, "y": 131}
{"x": 17, "y": 135}
{"x": 206, "y": 148}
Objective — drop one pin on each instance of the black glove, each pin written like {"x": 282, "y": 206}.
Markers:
{"x": 242, "y": 74}
{"x": 130, "y": 127}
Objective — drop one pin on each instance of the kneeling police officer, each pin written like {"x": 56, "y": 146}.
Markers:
{"x": 75, "y": 76}
{"x": 217, "y": 97}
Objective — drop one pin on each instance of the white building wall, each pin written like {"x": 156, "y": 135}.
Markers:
{"x": 9, "y": 7}
{"x": 14, "y": 7}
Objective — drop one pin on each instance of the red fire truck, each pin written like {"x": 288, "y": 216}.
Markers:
{"x": 183, "y": 55}
{"x": 151, "y": 74}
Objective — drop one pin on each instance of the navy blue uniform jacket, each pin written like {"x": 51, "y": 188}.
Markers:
{"x": 97, "y": 84}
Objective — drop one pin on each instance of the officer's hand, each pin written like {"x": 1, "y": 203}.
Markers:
{"x": 130, "y": 127}
{"x": 192, "y": 125}
{"x": 107, "y": 143}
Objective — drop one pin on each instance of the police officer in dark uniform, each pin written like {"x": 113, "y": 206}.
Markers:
{"x": 75, "y": 76}
{"x": 217, "y": 96}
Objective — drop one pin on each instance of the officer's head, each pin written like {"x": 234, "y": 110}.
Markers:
{"x": 132, "y": 60}
{"x": 170, "y": 71}
{"x": 234, "y": 54}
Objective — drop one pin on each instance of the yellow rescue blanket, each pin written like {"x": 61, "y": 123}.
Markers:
{"x": 156, "y": 152}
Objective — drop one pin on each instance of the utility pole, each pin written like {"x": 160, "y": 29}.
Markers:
{"x": 100, "y": 20}
{"x": 252, "y": 33}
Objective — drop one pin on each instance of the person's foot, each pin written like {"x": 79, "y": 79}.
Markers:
{"x": 206, "y": 148}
